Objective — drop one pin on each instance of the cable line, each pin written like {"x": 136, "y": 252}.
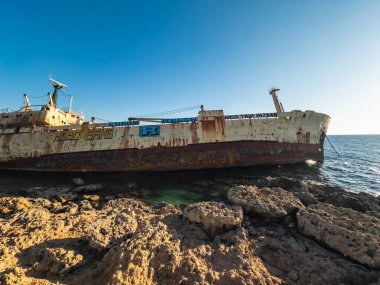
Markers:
{"x": 169, "y": 112}
{"x": 332, "y": 146}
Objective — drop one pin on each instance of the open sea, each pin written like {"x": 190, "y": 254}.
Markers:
{"x": 356, "y": 168}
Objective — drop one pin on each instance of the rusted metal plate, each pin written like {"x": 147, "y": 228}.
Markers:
{"x": 195, "y": 156}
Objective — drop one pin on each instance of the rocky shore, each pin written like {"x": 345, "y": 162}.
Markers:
{"x": 271, "y": 231}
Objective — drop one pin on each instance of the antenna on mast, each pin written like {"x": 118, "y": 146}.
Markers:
{"x": 71, "y": 103}
{"x": 57, "y": 85}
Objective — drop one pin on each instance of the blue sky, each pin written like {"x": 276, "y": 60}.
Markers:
{"x": 126, "y": 58}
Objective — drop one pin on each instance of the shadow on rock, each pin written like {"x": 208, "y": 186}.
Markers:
{"x": 299, "y": 260}
{"x": 59, "y": 259}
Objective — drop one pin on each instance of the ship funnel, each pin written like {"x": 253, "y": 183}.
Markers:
{"x": 57, "y": 85}
{"x": 277, "y": 103}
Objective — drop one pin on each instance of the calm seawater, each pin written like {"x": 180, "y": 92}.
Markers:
{"x": 357, "y": 169}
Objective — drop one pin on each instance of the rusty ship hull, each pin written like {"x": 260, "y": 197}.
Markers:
{"x": 211, "y": 140}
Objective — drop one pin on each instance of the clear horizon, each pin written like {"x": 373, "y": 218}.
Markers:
{"x": 126, "y": 58}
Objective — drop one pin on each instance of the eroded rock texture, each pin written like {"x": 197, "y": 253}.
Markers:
{"x": 273, "y": 203}
{"x": 174, "y": 251}
{"x": 352, "y": 233}
{"x": 64, "y": 237}
{"x": 214, "y": 217}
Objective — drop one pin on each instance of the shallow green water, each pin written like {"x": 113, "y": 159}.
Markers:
{"x": 174, "y": 196}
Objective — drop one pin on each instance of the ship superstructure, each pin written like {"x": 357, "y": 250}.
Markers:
{"x": 54, "y": 140}
{"x": 47, "y": 115}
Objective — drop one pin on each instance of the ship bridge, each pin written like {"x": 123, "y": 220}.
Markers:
{"x": 47, "y": 115}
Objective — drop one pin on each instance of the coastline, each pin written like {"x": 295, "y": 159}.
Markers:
{"x": 269, "y": 231}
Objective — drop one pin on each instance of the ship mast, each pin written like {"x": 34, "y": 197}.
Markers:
{"x": 57, "y": 86}
{"x": 277, "y": 103}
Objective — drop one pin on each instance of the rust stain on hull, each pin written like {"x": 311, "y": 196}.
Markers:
{"x": 211, "y": 142}
{"x": 195, "y": 156}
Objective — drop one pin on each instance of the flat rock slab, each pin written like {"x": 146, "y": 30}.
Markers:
{"x": 214, "y": 217}
{"x": 274, "y": 203}
{"x": 356, "y": 235}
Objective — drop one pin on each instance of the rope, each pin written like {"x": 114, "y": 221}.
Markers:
{"x": 332, "y": 145}
{"x": 158, "y": 114}
{"x": 66, "y": 94}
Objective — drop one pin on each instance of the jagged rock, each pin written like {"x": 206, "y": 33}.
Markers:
{"x": 14, "y": 276}
{"x": 94, "y": 198}
{"x": 70, "y": 208}
{"x": 165, "y": 252}
{"x": 85, "y": 205}
{"x": 361, "y": 202}
{"x": 89, "y": 188}
{"x": 164, "y": 209}
{"x": 129, "y": 242}
{"x": 9, "y": 204}
{"x": 299, "y": 260}
{"x": 78, "y": 181}
{"x": 354, "y": 234}
{"x": 273, "y": 203}
{"x": 4, "y": 210}
{"x": 282, "y": 182}
{"x": 42, "y": 202}
{"x": 311, "y": 193}
{"x": 214, "y": 217}
{"x": 57, "y": 261}
{"x": 123, "y": 204}
{"x": 69, "y": 196}
{"x": 108, "y": 229}
{"x": 51, "y": 192}
{"x": 233, "y": 237}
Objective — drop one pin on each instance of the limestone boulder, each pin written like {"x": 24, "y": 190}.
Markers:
{"x": 13, "y": 204}
{"x": 356, "y": 235}
{"x": 273, "y": 203}
{"x": 108, "y": 229}
{"x": 214, "y": 217}
{"x": 299, "y": 188}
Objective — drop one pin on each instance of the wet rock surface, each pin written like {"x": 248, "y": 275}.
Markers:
{"x": 289, "y": 232}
